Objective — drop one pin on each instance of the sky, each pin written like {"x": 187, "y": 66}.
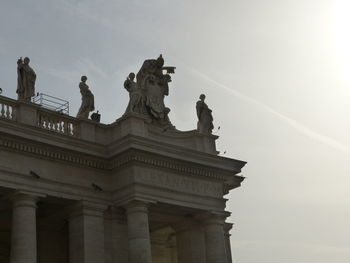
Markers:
{"x": 275, "y": 73}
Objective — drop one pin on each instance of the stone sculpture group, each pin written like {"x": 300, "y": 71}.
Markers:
{"x": 146, "y": 94}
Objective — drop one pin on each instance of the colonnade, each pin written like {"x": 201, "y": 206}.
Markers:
{"x": 204, "y": 244}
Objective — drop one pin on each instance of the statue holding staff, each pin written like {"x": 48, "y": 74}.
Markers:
{"x": 87, "y": 99}
{"x": 26, "y": 78}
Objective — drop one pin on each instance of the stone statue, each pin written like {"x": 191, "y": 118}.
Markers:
{"x": 25, "y": 80}
{"x": 148, "y": 92}
{"x": 136, "y": 102}
{"x": 87, "y": 99}
{"x": 151, "y": 79}
{"x": 205, "y": 118}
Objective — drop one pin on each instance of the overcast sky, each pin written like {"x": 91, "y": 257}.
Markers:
{"x": 276, "y": 75}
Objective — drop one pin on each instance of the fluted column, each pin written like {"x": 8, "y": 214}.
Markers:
{"x": 215, "y": 239}
{"x": 138, "y": 232}
{"x": 23, "y": 234}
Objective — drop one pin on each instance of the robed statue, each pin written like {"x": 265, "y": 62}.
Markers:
{"x": 205, "y": 118}
{"x": 136, "y": 101}
{"x": 87, "y": 99}
{"x": 25, "y": 80}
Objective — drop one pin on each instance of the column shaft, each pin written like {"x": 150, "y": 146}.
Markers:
{"x": 215, "y": 241}
{"x": 23, "y": 235}
{"x": 86, "y": 234}
{"x": 138, "y": 233}
{"x": 190, "y": 243}
{"x": 227, "y": 228}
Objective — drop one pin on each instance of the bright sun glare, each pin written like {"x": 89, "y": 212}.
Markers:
{"x": 342, "y": 36}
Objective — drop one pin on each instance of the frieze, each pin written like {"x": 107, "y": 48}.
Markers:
{"x": 179, "y": 183}
{"x": 168, "y": 164}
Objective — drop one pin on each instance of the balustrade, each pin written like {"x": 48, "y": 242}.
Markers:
{"x": 11, "y": 110}
{"x": 58, "y": 123}
{"x": 7, "y": 109}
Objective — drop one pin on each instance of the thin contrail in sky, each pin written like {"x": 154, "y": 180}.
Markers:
{"x": 291, "y": 122}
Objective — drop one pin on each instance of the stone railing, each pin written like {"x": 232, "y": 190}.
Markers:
{"x": 7, "y": 108}
{"x": 57, "y": 122}
{"x": 34, "y": 115}
{"x": 28, "y": 114}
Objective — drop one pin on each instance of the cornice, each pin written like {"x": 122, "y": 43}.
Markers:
{"x": 151, "y": 159}
{"x": 190, "y": 163}
{"x": 51, "y": 153}
{"x": 232, "y": 166}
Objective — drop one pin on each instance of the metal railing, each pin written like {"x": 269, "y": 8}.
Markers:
{"x": 52, "y": 103}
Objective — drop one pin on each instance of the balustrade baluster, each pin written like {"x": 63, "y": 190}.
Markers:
{"x": 71, "y": 129}
{"x": 2, "y": 110}
{"x": 65, "y": 127}
{"x": 42, "y": 119}
{"x": 49, "y": 123}
{"x": 74, "y": 129}
{"x": 7, "y": 111}
{"x": 13, "y": 115}
{"x": 55, "y": 125}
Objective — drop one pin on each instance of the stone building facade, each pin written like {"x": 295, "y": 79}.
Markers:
{"x": 77, "y": 191}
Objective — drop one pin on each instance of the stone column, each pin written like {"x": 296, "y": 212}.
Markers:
{"x": 227, "y": 228}
{"x": 23, "y": 235}
{"x": 116, "y": 236}
{"x": 215, "y": 239}
{"x": 190, "y": 241}
{"x": 171, "y": 249}
{"x": 138, "y": 232}
{"x": 86, "y": 233}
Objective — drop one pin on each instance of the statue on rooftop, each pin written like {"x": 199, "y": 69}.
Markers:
{"x": 136, "y": 100}
{"x": 154, "y": 83}
{"x": 148, "y": 92}
{"x": 25, "y": 80}
{"x": 87, "y": 99}
{"x": 205, "y": 118}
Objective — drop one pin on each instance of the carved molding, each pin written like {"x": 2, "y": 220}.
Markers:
{"x": 128, "y": 157}
{"x": 53, "y": 154}
{"x": 152, "y": 160}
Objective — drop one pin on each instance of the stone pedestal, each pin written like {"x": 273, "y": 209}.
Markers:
{"x": 24, "y": 234}
{"x": 138, "y": 233}
{"x": 215, "y": 239}
{"x": 86, "y": 233}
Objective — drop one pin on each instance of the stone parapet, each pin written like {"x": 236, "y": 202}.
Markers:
{"x": 33, "y": 115}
